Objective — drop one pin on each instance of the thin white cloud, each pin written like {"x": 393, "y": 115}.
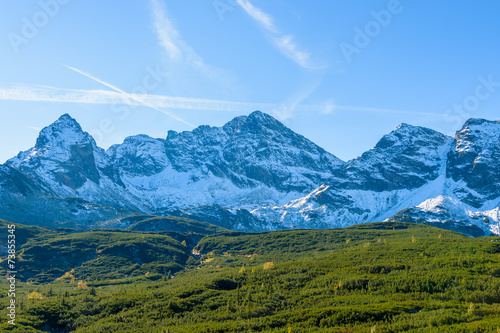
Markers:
{"x": 290, "y": 49}
{"x": 52, "y": 94}
{"x": 33, "y": 93}
{"x": 284, "y": 43}
{"x": 38, "y": 129}
{"x": 287, "y": 109}
{"x": 258, "y": 15}
{"x": 328, "y": 107}
{"x": 381, "y": 110}
{"x": 97, "y": 80}
{"x": 169, "y": 37}
{"x": 178, "y": 50}
{"x": 135, "y": 97}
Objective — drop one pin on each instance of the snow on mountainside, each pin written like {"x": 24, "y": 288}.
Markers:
{"x": 251, "y": 161}
{"x": 24, "y": 200}
{"x": 67, "y": 161}
{"x": 473, "y": 163}
{"x": 256, "y": 174}
{"x": 411, "y": 172}
{"x": 376, "y": 185}
{"x": 452, "y": 213}
{"x": 471, "y": 195}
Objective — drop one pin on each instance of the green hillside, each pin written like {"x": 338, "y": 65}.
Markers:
{"x": 176, "y": 224}
{"x": 379, "y": 277}
{"x": 95, "y": 255}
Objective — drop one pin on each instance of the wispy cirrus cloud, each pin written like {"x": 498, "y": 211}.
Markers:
{"x": 283, "y": 42}
{"x": 332, "y": 107}
{"x": 258, "y": 15}
{"x": 178, "y": 50}
{"x": 290, "y": 49}
{"x": 135, "y": 97}
{"x": 34, "y": 128}
{"x": 287, "y": 108}
{"x": 37, "y": 93}
{"x": 166, "y": 32}
{"x": 170, "y": 38}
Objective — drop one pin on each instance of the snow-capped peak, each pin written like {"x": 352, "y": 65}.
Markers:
{"x": 407, "y": 135}
{"x": 64, "y": 132}
{"x": 256, "y": 163}
{"x": 472, "y": 122}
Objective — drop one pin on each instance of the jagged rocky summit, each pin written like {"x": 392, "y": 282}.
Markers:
{"x": 256, "y": 174}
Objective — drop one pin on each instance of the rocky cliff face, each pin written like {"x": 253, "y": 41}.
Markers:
{"x": 255, "y": 174}
{"x": 471, "y": 195}
{"x": 473, "y": 162}
{"x": 63, "y": 157}
{"x": 24, "y": 200}
{"x": 412, "y": 174}
{"x": 251, "y": 161}
{"x": 376, "y": 185}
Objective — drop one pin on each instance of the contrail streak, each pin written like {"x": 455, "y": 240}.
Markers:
{"x": 131, "y": 96}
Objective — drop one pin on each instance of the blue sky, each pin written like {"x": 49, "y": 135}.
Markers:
{"x": 341, "y": 73}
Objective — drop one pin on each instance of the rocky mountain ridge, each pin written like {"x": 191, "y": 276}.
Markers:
{"x": 413, "y": 174}
{"x": 249, "y": 162}
{"x": 256, "y": 174}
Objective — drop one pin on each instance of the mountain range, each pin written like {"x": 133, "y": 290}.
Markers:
{"x": 255, "y": 174}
